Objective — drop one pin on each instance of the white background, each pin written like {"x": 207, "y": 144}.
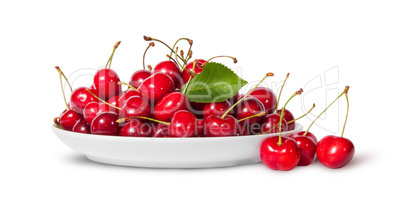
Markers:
{"x": 359, "y": 40}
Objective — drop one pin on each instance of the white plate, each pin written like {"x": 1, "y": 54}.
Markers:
{"x": 167, "y": 152}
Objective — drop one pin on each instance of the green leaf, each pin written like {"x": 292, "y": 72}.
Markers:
{"x": 215, "y": 83}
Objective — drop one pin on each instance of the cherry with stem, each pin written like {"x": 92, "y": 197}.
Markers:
{"x": 235, "y": 104}
{"x": 333, "y": 151}
{"x": 103, "y": 101}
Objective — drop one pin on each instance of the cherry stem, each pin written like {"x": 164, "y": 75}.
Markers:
{"x": 151, "y": 44}
{"x": 130, "y": 86}
{"x": 61, "y": 84}
{"x": 103, "y": 101}
{"x": 283, "y": 114}
{"x": 234, "y": 105}
{"x": 68, "y": 82}
{"x": 56, "y": 122}
{"x": 252, "y": 116}
{"x": 189, "y": 41}
{"x": 154, "y": 120}
{"x": 189, "y": 54}
{"x": 347, "y": 109}
{"x": 280, "y": 93}
{"x": 302, "y": 115}
{"x": 146, "y": 38}
{"x": 182, "y": 66}
{"x": 191, "y": 77}
{"x": 109, "y": 62}
{"x": 346, "y": 89}
{"x": 234, "y": 60}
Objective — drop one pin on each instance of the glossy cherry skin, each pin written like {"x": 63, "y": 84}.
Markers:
{"x": 170, "y": 104}
{"x": 267, "y": 98}
{"x": 183, "y": 124}
{"x": 160, "y": 130}
{"x": 135, "y": 128}
{"x": 270, "y": 121}
{"x": 307, "y": 145}
{"x": 248, "y": 107}
{"x": 114, "y": 100}
{"x": 216, "y": 108}
{"x": 197, "y": 69}
{"x": 68, "y": 119}
{"x": 214, "y": 126}
{"x": 105, "y": 124}
{"x": 136, "y": 106}
{"x": 123, "y": 97}
{"x": 155, "y": 87}
{"x": 81, "y": 127}
{"x": 288, "y": 116}
{"x": 93, "y": 109}
{"x": 335, "y": 152}
{"x": 139, "y": 76}
{"x": 171, "y": 69}
{"x": 80, "y": 98}
{"x": 105, "y": 81}
{"x": 280, "y": 157}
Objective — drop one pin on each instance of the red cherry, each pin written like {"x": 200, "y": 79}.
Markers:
{"x": 160, "y": 130}
{"x": 171, "y": 69}
{"x": 183, "y": 124}
{"x": 135, "y": 128}
{"x": 270, "y": 121}
{"x": 81, "y": 127}
{"x": 288, "y": 116}
{"x": 280, "y": 157}
{"x": 307, "y": 145}
{"x": 123, "y": 98}
{"x": 139, "y": 76}
{"x": 267, "y": 98}
{"x": 136, "y": 106}
{"x": 215, "y": 126}
{"x": 80, "y": 98}
{"x": 105, "y": 124}
{"x": 197, "y": 69}
{"x": 216, "y": 108}
{"x": 156, "y": 86}
{"x": 68, "y": 119}
{"x": 335, "y": 152}
{"x": 105, "y": 81}
{"x": 170, "y": 104}
{"x": 248, "y": 107}
{"x": 93, "y": 109}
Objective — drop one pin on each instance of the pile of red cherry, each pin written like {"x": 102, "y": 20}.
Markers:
{"x": 152, "y": 106}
